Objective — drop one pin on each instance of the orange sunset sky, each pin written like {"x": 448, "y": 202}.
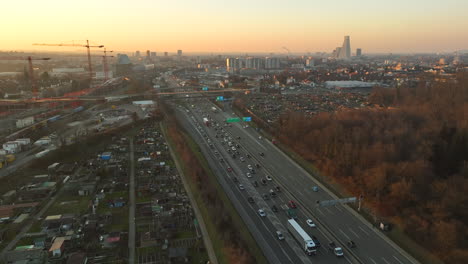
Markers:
{"x": 376, "y": 26}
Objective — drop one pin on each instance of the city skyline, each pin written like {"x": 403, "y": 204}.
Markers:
{"x": 207, "y": 26}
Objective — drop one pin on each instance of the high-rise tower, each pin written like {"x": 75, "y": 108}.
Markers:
{"x": 345, "y": 51}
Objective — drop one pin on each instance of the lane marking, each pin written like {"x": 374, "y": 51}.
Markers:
{"x": 329, "y": 211}
{"x": 385, "y": 260}
{"x": 372, "y": 260}
{"x": 320, "y": 212}
{"x": 362, "y": 229}
{"x": 349, "y": 261}
{"x": 344, "y": 234}
{"x": 339, "y": 209}
{"x": 354, "y": 233}
{"x": 397, "y": 259}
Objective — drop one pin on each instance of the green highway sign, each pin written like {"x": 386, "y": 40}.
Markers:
{"x": 247, "y": 119}
{"x": 233, "y": 120}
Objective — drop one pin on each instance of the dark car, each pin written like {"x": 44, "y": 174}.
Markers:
{"x": 292, "y": 204}
{"x": 237, "y": 146}
{"x": 255, "y": 183}
{"x": 262, "y": 154}
{"x": 274, "y": 208}
{"x": 266, "y": 196}
{"x": 235, "y": 179}
{"x": 251, "y": 200}
{"x": 277, "y": 189}
{"x": 316, "y": 241}
{"x": 229, "y": 169}
{"x": 264, "y": 182}
{"x": 257, "y": 165}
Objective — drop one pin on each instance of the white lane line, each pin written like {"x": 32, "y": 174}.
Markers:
{"x": 339, "y": 209}
{"x": 354, "y": 233}
{"x": 329, "y": 211}
{"x": 349, "y": 261}
{"x": 362, "y": 229}
{"x": 300, "y": 193}
{"x": 399, "y": 261}
{"x": 385, "y": 260}
{"x": 344, "y": 234}
{"x": 372, "y": 260}
{"x": 320, "y": 212}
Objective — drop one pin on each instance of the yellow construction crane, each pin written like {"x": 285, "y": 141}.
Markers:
{"x": 87, "y": 46}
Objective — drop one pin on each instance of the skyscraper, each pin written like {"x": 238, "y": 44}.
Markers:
{"x": 179, "y": 53}
{"x": 358, "y": 52}
{"x": 137, "y": 53}
{"x": 345, "y": 52}
{"x": 166, "y": 54}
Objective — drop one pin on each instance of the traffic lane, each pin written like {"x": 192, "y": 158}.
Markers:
{"x": 267, "y": 192}
{"x": 250, "y": 191}
{"x": 340, "y": 229}
{"x": 351, "y": 228}
{"x": 385, "y": 252}
{"x": 344, "y": 231}
{"x": 270, "y": 239}
{"x": 282, "y": 204}
{"x": 253, "y": 218}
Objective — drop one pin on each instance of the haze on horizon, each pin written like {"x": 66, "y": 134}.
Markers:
{"x": 238, "y": 26}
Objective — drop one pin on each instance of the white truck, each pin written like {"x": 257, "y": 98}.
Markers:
{"x": 302, "y": 237}
{"x": 214, "y": 109}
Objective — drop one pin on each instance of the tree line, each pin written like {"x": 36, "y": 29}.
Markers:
{"x": 408, "y": 159}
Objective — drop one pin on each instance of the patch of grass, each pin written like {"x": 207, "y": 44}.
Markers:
{"x": 25, "y": 241}
{"x": 185, "y": 234}
{"x": 119, "y": 220}
{"x": 36, "y": 227}
{"x": 216, "y": 238}
{"x": 198, "y": 253}
{"x": 69, "y": 204}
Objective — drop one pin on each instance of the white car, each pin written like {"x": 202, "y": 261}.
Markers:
{"x": 242, "y": 159}
{"x": 310, "y": 223}
{"x": 338, "y": 252}
{"x": 249, "y": 175}
{"x": 261, "y": 213}
{"x": 233, "y": 149}
{"x": 249, "y": 167}
{"x": 241, "y": 187}
{"x": 268, "y": 178}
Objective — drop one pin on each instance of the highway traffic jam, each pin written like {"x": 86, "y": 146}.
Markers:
{"x": 294, "y": 231}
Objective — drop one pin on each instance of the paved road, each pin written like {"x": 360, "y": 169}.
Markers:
{"x": 22, "y": 159}
{"x": 263, "y": 230}
{"x": 260, "y": 229}
{"x": 131, "y": 208}
{"x": 344, "y": 224}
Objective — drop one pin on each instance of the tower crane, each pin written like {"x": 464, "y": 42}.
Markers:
{"x": 87, "y": 46}
{"x": 31, "y": 70}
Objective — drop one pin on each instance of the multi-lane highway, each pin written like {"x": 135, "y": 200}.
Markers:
{"x": 336, "y": 223}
